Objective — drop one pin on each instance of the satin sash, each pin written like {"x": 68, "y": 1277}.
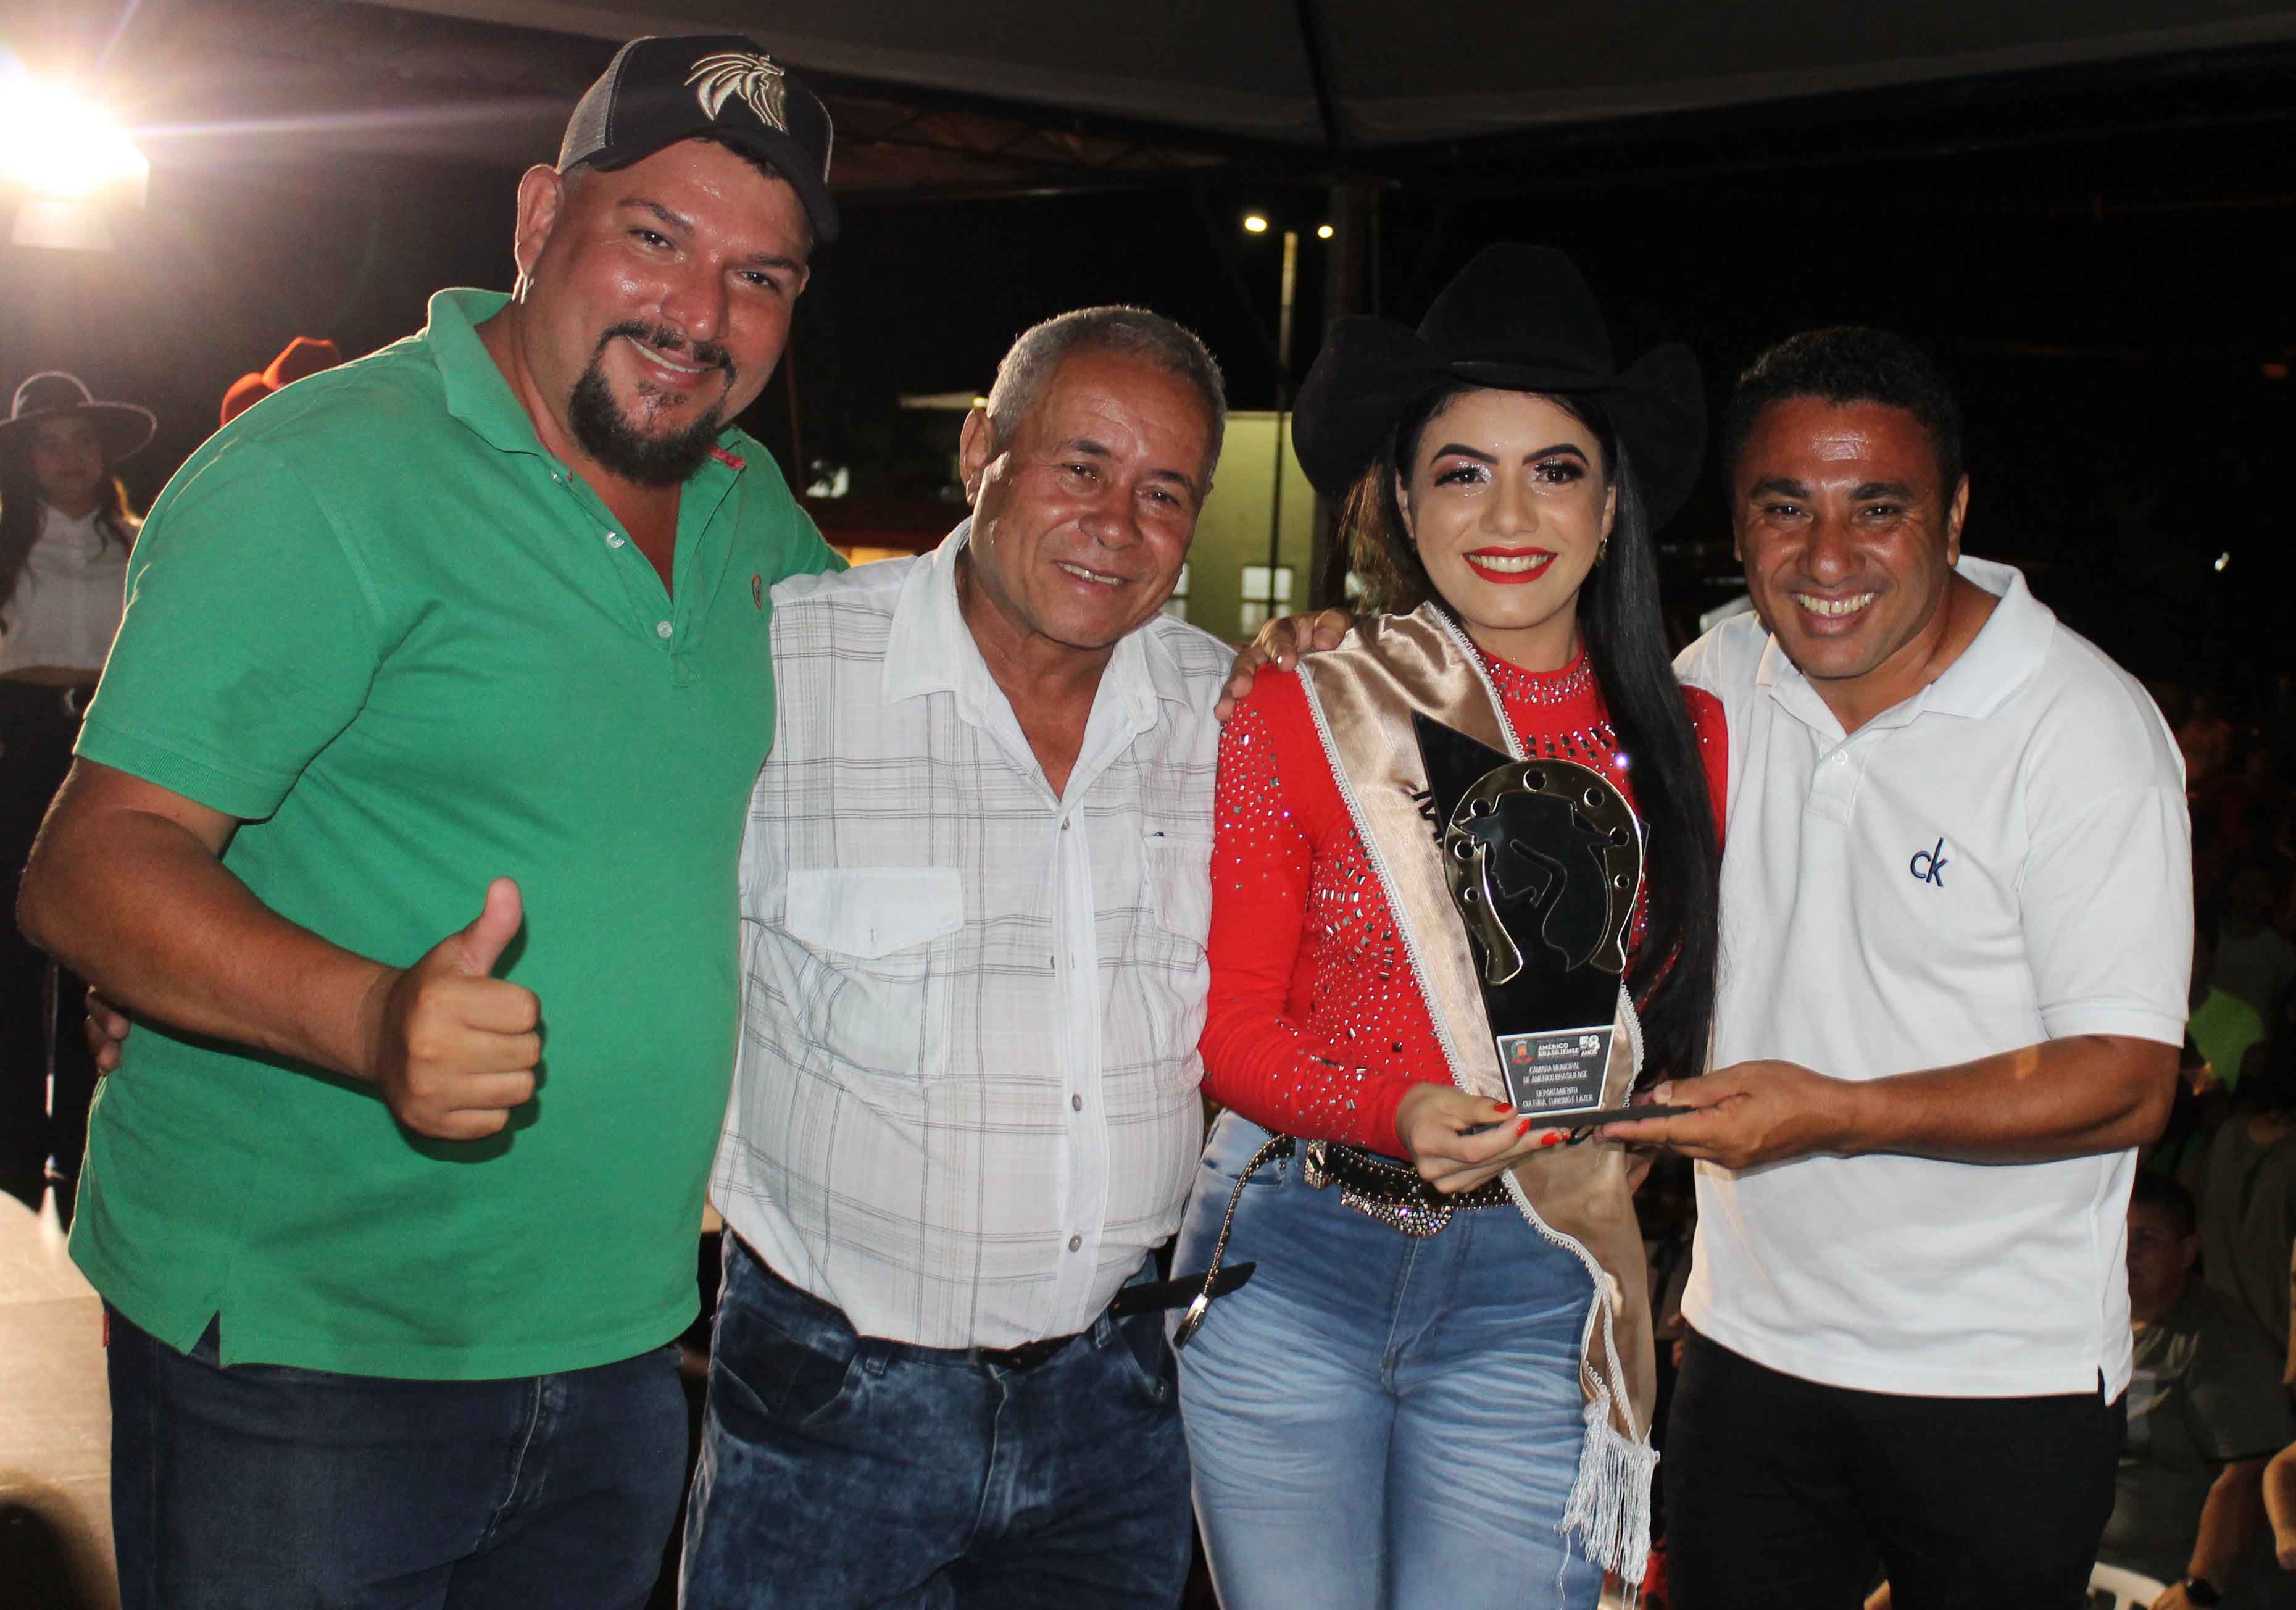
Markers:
{"x": 1362, "y": 695}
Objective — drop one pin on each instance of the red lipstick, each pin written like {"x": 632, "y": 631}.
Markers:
{"x": 1515, "y": 572}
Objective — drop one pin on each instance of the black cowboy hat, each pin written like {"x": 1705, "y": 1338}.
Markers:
{"x": 1518, "y": 318}
{"x": 122, "y": 428}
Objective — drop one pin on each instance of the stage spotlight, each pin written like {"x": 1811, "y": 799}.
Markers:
{"x": 74, "y": 167}
{"x": 56, "y": 144}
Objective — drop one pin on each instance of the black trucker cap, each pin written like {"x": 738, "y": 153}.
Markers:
{"x": 721, "y": 86}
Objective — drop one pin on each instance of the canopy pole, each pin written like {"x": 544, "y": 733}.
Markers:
{"x": 1317, "y": 48}
{"x": 1347, "y": 265}
{"x": 1282, "y": 401}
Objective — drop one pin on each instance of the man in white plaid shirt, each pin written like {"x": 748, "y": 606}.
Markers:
{"x": 975, "y": 896}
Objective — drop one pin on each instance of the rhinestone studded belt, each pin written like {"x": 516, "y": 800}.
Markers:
{"x": 1391, "y": 1192}
{"x": 1375, "y": 1187}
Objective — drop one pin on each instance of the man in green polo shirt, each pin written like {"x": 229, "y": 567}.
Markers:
{"x": 393, "y": 1206}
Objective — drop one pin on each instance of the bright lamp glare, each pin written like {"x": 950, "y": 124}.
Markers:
{"x": 2223, "y": 560}
{"x": 1254, "y": 224}
{"x": 55, "y": 143}
{"x": 1322, "y": 231}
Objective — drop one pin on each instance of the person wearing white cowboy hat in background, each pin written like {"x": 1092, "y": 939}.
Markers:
{"x": 65, "y": 529}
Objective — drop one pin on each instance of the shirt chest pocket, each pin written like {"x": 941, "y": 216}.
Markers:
{"x": 1178, "y": 868}
{"x": 869, "y": 996}
{"x": 1171, "y": 968}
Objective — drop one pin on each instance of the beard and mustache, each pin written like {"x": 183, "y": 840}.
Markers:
{"x": 620, "y": 447}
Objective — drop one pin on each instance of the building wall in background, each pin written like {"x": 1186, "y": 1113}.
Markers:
{"x": 1232, "y": 532}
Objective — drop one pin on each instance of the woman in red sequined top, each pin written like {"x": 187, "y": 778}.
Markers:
{"x": 1383, "y": 1417}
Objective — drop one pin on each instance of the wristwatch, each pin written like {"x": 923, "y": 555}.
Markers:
{"x": 2200, "y": 1591}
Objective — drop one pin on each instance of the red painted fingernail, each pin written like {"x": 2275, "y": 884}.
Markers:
{"x": 1523, "y": 1128}
{"x": 1553, "y": 1137}
{"x": 1502, "y": 1106}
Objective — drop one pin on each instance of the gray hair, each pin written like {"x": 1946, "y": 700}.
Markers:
{"x": 1122, "y": 332}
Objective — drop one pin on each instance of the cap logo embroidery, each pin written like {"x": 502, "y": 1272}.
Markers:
{"x": 755, "y": 79}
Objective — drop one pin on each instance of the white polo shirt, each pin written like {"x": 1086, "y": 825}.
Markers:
{"x": 2003, "y": 859}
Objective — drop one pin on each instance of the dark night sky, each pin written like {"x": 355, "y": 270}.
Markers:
{"x": 2106, "y": 305}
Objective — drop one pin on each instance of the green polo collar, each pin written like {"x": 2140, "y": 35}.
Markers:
{"x": 476, "y": 394}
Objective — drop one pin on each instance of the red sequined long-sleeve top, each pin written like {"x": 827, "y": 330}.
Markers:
{"x": 1317, "y": 1026}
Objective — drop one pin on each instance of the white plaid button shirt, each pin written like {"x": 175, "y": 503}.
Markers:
{"x": 965, "y": 1104}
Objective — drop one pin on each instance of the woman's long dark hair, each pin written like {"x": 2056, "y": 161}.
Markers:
{"x": 1672, "y": 974}
{"x": 22, "y": 511}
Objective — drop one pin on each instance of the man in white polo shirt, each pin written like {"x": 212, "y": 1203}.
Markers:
{"x": 1956, "y": 925}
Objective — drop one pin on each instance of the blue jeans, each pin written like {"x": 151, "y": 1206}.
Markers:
{"x": 839, "y": 1471}
{"x": 261, "y": 1484}
{"x": 1376, "y": 1422}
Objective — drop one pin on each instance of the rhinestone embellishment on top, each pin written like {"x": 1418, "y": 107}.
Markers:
{"x": 1358, "y": 1017}
{"x": 1573, "y": 681}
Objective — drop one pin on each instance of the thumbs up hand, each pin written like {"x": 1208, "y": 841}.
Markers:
{"x": 451, "y": 1046}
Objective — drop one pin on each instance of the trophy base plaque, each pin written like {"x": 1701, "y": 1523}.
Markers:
{"x": 1555, "y": 1071}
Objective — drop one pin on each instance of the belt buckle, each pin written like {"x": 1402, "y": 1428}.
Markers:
{"x": 1312, "y": 1167}
{"x": 1413, "y": 1216}
{"x": 1403, "y": 1202}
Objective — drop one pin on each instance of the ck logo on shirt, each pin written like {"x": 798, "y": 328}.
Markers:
{"x": 1929, "y": 864}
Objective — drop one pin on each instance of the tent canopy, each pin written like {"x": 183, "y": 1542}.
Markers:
{"x": 931, "y": 96}
{"x": 1369, "y": 74}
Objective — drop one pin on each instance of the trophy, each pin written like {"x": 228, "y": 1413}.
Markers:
{"x": 1543, "y": 859}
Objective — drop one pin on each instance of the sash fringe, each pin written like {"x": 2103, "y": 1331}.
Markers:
{"x": 1608, "y": 1514}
